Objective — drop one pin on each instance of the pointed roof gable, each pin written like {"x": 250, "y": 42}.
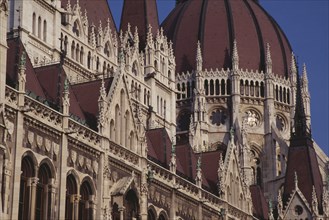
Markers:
{"x": 302, "y": 158}
{"x": 141, "y": 13}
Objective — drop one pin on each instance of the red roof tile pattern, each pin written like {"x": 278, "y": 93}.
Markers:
{"x": 260, "y": 207}
{"x": 303, "y": 161}
{"x": 216, "y": 24}
{"x": 140, "y": 14}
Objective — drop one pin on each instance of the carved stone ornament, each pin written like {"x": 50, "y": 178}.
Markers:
{"x": 39, "y": 141}
{"x": 251, "y": 119}
{"x": 95, "y": 166}
{"x": 30, "y": 137}
{"x": 281, "y": 123}
{"x": 80, "y": 160}
{"x": 56, "y": 148}
{"x": 73, "y": 156}
{"x": 88, "y": 164}
{"x": 48, "y": 144}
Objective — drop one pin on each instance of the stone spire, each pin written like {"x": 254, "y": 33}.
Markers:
{"x": 173, "y": 164}
{"x": 268, "y": 59}
{"x": 235, "y": 57}
{"x": 101, "y": 105}
{"x": 92, "y": 39}
{"x": 293, "y": 68}
{"x": 147, "y": 15}
{"x": 199, "y": 57}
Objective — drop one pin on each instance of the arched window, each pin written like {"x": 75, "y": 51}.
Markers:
{"x": 211, "y": 87}
{"x": 43, "y": 197}
{"x": 262, "y": 90}
{"x": 85, "y": 203}
{"x": 117, "y": 124}
{"x": 178, "y": 89}
{"x": 81, "y": 55}
{"x": 39, "y": 27}
{"x": 97, "y": 64}
{"x": 217, "y": 87}
{"x": 76, "y": 28}
{"x": 247, "y": 88}
{"x": 134, "y": 69}
{"x": 241, "y": 87}
{"x": 89, "y": 60}
{"x": 77, "y": 53}
{"x": 228, "y": 87}
{"x": 112, "y": 130}
{"x": 73, "y": 50}
{"x": 34, "y": 21}
{"x": 252, "y": 89}
{"x": 131, "y": 204}
{"x": 65, "y": 44}
{"x": 45, "y": 30}
{"x": 27, "y": 188}
{"x": 71, "y": 193}
{"x": 257, "y": 89}
{"x": 183, "y": 91}
{"x": 161, "y": 217}
{"x": 222, "y": 87}
{"x": 206, "y": 87}
{"x": 107, "y": 49}
{"x": 151, "y": 215}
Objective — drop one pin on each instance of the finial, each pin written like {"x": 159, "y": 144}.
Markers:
{"x": 305, "y": 79}
{"x": 199, "y": 57}
{"x": 293, "y": 67}
{"x": 235, "y": 56}
{"x": 268, "y": 59}
{"x": 68, "y": 6}
{"x": 102, "y": 90}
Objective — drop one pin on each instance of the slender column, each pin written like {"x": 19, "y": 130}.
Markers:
{"x": 7, "y": 182}
{"x": 92, "y": 206}
{"x": 121, "y": 210}
{"x": 32, "y": 182}
{"x": 75, "y": 200}
{"x": 52, "y": 190}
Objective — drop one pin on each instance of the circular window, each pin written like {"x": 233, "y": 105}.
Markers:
{"x": 218, "y": 117}
{"x": 280, "y": 123}
{"x": 298, "y": 210}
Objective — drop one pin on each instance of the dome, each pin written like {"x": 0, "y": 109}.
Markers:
{"x": 216, "y": 23}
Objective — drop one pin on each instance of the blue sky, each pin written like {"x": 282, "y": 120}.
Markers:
{"x": 305, "y": 22}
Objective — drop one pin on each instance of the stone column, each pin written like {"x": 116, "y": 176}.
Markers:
{"x": 75, "y": 200}
{"x": 92, "y": 206}
{"x": 121, "y": 210}
{"x": 32, "y": 183}
{"x": 52, "y": 189}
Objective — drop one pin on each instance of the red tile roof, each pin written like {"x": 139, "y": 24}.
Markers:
{"x": 15, "y": 51}
{"x": 216, "y": 24}
{"x": 260, "y": 207}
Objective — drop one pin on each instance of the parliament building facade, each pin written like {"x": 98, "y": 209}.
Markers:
{"x": 204, "y": 116}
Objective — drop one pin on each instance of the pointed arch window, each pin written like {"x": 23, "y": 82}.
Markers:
{"x": 107, "y": 49}
{"x": 76, "y": 28}
{"x": 45, "y": 30}
{"x": 27, "y": 188}
{"x": 85, "y": 203}
{"x": 71, "y": 195}
{"x": 34, "y": 23}
{"x": 131, "y": 204}
{"x": 39, "y": 27}
{"x": 89, "y": 60}
{"x": 43, "y": 197}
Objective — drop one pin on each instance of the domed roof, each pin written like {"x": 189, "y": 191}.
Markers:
{"x": 216, "y": 23}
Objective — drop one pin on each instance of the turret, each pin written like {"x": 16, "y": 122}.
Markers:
{"x": 306, "y": 97}
{"x": 147, "y": 15}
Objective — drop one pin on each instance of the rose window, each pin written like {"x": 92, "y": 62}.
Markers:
{"x": 218, "y": 117}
